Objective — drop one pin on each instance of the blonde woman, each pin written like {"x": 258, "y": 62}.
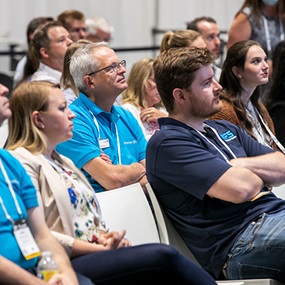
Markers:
{"x": 66, "y": 81}
{"x": 182, "y": 38}
{"x": 141, "y": 97}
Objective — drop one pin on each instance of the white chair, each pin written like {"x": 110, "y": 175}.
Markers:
{"x": 279, "y": 191}
{"x": 169, "y": 235}
{"x": 167, "y": 232}
{"x": 128, "y": 208}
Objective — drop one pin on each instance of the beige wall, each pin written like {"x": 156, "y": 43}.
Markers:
{"x": 133, "y": 19}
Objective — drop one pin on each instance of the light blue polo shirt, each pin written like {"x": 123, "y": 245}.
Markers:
{"x": 117, "y": 132}
{"x": 26, "y": 196}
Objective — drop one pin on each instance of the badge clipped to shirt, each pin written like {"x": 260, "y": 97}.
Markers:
{"x": 25, "y": 240}
{"x": 104, "y": 143}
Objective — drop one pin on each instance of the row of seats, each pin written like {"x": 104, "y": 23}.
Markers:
{"x": 146, "y": 222}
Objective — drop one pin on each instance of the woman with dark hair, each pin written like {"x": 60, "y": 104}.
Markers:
{"x": 244, "y": 70}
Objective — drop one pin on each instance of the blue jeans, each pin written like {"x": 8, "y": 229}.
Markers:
{"x": 259, "y": 252}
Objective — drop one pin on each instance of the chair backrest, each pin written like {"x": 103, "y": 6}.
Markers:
{"x": 279, "y": 191}
{"x": 167, "y": 232}
{"x": 128, "y": 208}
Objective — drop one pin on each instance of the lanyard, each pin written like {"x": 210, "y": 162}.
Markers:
{"x": 99, "y": 137}
{"x": 278, "y": 143}
{"x": 225, "y": 145}
{"x": 79, "y": 188}
{"x": 267, "y": 34}
{"x": 13, "y": 196}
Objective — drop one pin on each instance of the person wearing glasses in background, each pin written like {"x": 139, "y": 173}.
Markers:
{"x": 74, "y": 22}
{"x": 102, "y": 129}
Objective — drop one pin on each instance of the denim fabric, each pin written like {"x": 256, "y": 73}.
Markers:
{"x": 259, "y": 251}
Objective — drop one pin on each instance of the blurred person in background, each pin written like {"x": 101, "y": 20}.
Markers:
{"x": 99, "y": 29}
{"x": 208, "y": 28}
{"x": 48, "y": 48}
{"x": 32, "y": 26}
{"x": 67, "y": 85}
{"x": 181, "y": 38}
{"x": 141, "y": 97}
{"x": 74, "y": 22}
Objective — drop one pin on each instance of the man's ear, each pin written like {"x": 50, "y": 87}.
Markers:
{"x": 37, "y": 120}
{"x": 178, "y": 95}
{"x": 43, "y": 52}
{"x": 87, "y": 80}
{"x": 236, "y": 71}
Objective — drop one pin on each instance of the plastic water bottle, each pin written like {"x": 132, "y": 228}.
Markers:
{"x": 46, "y": 267}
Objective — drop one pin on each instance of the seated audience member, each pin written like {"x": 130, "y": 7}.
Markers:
{"x": 67, "y": 85}
{"x": 69, "y": 202}
{"x": 99, "y": 29}
{"x": 46, "y": 53}
{"x": 261, "y": 21}
{"x": 101, "y": 127}
{"x": 21, "y": 220}
{"x": 244, "y": 70}
{"x": 32, "y": 26}
{"x": 210, "y": 32}
{"x": 275, "y": 102}
{"x": 74, "y": 22}
{"x": 181, "y": 38}
{"x": 48, "y": 46}
{"x": 141, "y": 97}
{"x": 212, "y": 179}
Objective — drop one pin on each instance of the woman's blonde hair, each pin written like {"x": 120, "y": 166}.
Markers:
{"x": 66, "y": 80}
{"x": 25, "y": 99}
{"x": 180, "y": 38}
{"x": 138, "y": 77}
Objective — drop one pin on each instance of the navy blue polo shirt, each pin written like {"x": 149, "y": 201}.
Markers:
{"x": 182, "y": 165}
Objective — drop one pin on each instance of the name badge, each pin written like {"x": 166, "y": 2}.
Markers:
{"x": 104, "y": 143}
{"x": 25, "y": 240}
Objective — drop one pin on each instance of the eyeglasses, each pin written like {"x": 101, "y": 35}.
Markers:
{"x": 114, "y": 67}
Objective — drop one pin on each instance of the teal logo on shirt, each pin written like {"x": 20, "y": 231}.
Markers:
{"x": 227, "y": 136}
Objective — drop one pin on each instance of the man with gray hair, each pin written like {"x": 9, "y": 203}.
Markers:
{"x": 99, "y": 29}
{"x": 108, "y": 143}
